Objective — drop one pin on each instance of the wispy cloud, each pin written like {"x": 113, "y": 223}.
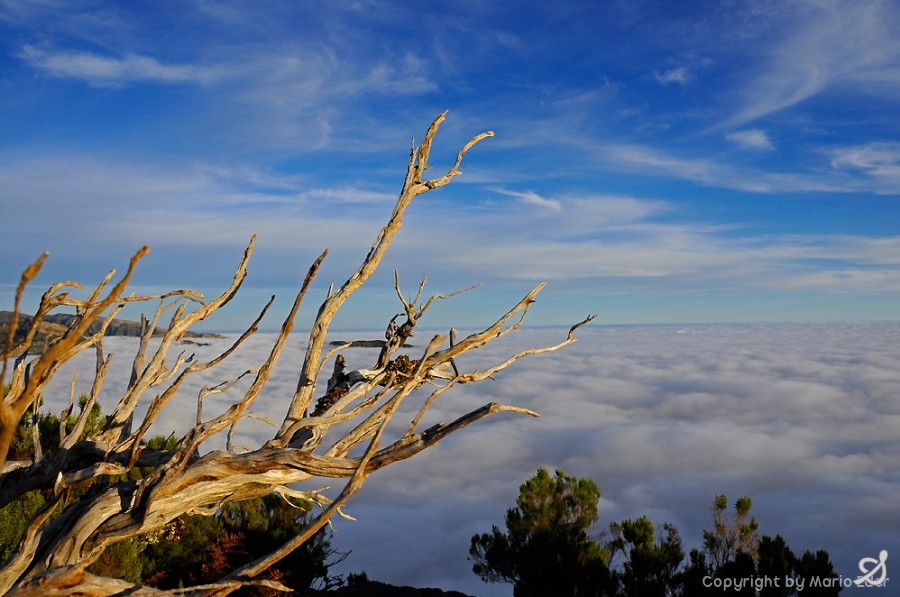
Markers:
{"x": 637, "y": 245}
{"x": 299, "y": 95}
{"x": 719, "y": 173}
{"x": 680, "y": 75}
{"x": 823, "y": 45}
{"x": 116, "y": 70}
{"x": 348, "y": 195}
{"x": 297, "y": 123}
{"x": 617, "y": 241}
{"x": 754, "y": 139}
{"x": 532, "y": 198}
{"x": 878, "y": 160}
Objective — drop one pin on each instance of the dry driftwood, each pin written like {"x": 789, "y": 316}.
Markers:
{"x": 53, "y": 558}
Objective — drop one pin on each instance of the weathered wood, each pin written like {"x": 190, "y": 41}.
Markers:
{"x": 53, "y": 556}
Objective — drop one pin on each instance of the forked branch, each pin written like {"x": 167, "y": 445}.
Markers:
{"x": 54, "y": 553}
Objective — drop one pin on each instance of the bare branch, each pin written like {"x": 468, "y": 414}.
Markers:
{"x": 100, "y": 373}
{"x": 58, "y": 352}
{"x": 27, "y": 276}
{"x": 125, "y": 409}
{"x": 412, "y": 187}
{"x": 188, "y": 478}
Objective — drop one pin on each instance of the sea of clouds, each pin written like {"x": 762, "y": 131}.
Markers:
{"x": 803, "y": 418}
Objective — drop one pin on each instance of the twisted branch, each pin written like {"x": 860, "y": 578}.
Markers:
{"x": 54, "y": 553}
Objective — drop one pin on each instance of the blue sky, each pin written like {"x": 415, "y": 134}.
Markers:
{"x": 654, "y": 161}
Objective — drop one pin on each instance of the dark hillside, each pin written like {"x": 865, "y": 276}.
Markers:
{"x": 370, "y": 588}
{"x": 54, "y": 325}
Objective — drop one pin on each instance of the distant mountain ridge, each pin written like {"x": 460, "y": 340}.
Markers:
{"x": 54, "y": 325}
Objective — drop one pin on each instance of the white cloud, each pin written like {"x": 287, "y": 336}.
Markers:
{"x": 286, "y": 92}
{"x": 679, "y": 76}
{"x": 820, "y": 46}
{"x": 662, "y": 417}
{"x": 190, "y": 213}
{"x": 349, "y": 195}
{"x": 297, "y": 93}
{"x": 878, "y": 160}
{"x": 755, "y": 139}
{"x": 107, "y": 70}
{"x": 656, "y": 162}
{"x": 719, "y": 174}
{"x": 404, "y": 76}
{"x": 532, "y": 198}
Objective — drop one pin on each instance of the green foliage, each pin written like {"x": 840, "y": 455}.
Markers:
{"x": 14, "y": 518}
{"x": 357, "y": 579}
{"x": 175, "y": 558}
{"x": 775, "y": 560}
{"x": 193, "y": 549}
{"x": 730, "y": 537}
{"x": 734, "y": 550}
{"x": 22, "y": 446}
{"x": 547, "y": 503}
{"x": 121, "y": 560}
{"x": 650, "y": 565}
{"x": 730, "y": 548}
{"x": 817, "y": 565}
{"x": 547, "y": 548}
{"x": 267, "y": 523}
{"x": 200, "y": 549}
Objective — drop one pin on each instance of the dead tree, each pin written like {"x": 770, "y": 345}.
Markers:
{"x": 52, "y": 557}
